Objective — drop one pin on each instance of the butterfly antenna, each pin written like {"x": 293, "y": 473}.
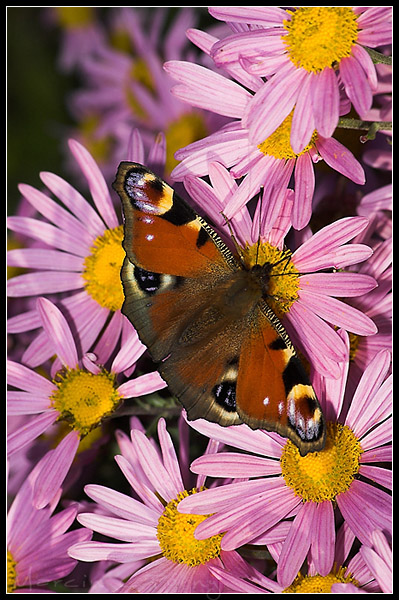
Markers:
{"x": 234, "y": 239}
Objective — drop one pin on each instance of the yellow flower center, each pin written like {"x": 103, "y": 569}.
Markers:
{"x": 354, "y": 340}
{"x": 318, "y": 584}
{"x": 320, "y": 36}
{"x": 283, "y": 286}
{"x": 139, "y": 73}
{"x": 188, "y": 128}
{"x": 321, "y": 476}
{"x": 278, "y": 143}
{"x": 102, "y": 269}
{"x": 84, "y": 399}
{"x": 11, "y": 573}
{"x": 175, "y": 533}
{"x": 72, "y": 17}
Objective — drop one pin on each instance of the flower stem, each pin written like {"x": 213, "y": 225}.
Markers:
{"x": 377, "y": 57}
{"x": 370, "y": 126}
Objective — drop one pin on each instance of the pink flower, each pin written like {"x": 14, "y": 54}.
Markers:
{"x": 81, "y": 394}
{"x": 37, "y": 540}
{"x": 150, "y": 527}
{"x": 269, "y": 163}
{"x": 125, "y": 85}
{"x": 279, "y": 483}
{"x": 306, "y": 53}
{"x": 80, "y": 258}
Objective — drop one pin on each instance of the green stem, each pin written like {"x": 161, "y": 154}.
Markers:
{"x": 377, "y": 57}
{"x": 370, "y": 126}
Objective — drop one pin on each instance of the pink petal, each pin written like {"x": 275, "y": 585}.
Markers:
{"x": 303, "y": 124}
{"x": 318, "y": 251}
{"x": 304, "y": 189}
{"x": 356, "y": 85}
{"x": 152, "y": 466}
{"x": 233, "y": 464}
{"x": 363, "y": 57}
{"x": 339, "y": 313}
{"x": 58, "y": 331}
{"x": 381, "y": 434}
{"x": 339, "y": 158}
{"x": 47, "y": 233}
{"x": 225, "y": 147}
{"x": 323, "y": 547}
{"x": 206, "y": 89}
{"x": 364, "y": 511}
{"x": 269, "y": 16}
{"x": 377, "y": 474}
{"x": 380, "y": 569}
{"x": 24, "y": 403}
{"x": 75, "y": 202}
{"x": 60, "y": 217}
{"x": 44, "y": 259}
{"x": 54, "y": 469}
{"x": 122, "y": 553}
{"x": 251, "y": 45}
{"x": 273, "y": 102}
{"x": 25, "y": 379}
{"x": 258, "y": 515}
{"x": 120, "y": 529}
{"x": 43, "y": 282}
{"x": 325, "y": 101}
{"x": 363, "y": 412}
{"x": 95, "y": 179}
{"x": 121, "y": 505}
{"x": 30, "y": 431}
{"x": 145, "y": 384}
{"x": 169, "y": 457}
{"x": 240, "y": 436}
{"x": 296, "y": 545}
{"x": 337, "y": 284}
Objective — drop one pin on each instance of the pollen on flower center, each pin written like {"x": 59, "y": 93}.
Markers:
{"x": 283, "y": 285}
{"x": 11, "y": 573}
{"x": 319, "y": 584}
{"x": 102, "y": 269}
{"x": 83, "y": 399}
{"x": 320, "y": 36}
{"x": 278, "y": 143}
{"x": 321, "y": 476}
{"x": 175, "y": 533}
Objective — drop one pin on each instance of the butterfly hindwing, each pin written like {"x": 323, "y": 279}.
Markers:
{"x": 273, "y": 389}
{"x": 218, "y": 345}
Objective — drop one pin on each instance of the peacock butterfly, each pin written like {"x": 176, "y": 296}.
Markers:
{"x": 205, "y": 318}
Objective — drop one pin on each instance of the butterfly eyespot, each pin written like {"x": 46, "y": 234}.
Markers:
{"x": 225, "y": 395}
{"x": 147, "y": 281}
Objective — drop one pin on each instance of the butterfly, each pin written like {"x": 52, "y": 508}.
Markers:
{"x": 205, "y": 319}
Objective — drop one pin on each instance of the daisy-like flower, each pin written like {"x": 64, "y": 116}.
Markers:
{"x": 280, "y": 483}
{"x": 81, "y": 259}
{"x": 299, "y": 295}
{"x": 81, "y": 393}
{"x": 349, "y": 574}
{"x": 151, "y": 527}
{"x": 306, "y": 53}
{"x": 269, "y": 162}
{"x": 81, "y": 33}
{"x": 125, "y": 85}
{"x": 37, "y": 540}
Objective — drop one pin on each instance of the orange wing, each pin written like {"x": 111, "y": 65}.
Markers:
{"x": 273, "y": 390}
